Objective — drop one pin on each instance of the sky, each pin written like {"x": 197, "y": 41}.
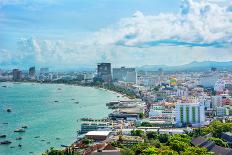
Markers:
{"x": 65, "y": 34}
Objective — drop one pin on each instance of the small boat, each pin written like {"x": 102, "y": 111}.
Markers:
{"x": 56, "y": 101}
{"x": 5, "y": 142}
{"x": 8, "y": 110}
{"x": 31, "y": 152}
{"x": 63, "y": 145}
{"x": 36, "y": 136}
{"x": 4, "y": 86}
{"x": 57, "y": 138}
{"x": 5, "y": 123}
{"x": 20, "y": 130}
{"x": 48, "y": 143}
{"x": 20, "y": 145}
{"x": 76, "y": 102}
{"x": 73, "y": 99}
{"x": 24, "y": 127}
{"x": 12, "y": 147}
{"x": 19, "y": 138}
{"x": 2, "y": 136}
{"x": 59, "y": 89}
{"x": 43, "y": 140}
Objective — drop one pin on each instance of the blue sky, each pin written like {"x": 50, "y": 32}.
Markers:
{"x": 76, "y": 33}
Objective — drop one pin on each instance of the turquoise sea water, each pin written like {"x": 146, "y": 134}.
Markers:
{"x": 33, "y": 105}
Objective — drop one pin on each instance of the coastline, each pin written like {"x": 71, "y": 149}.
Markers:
{"x": 74, "y": 84}
{"x": 31, "y": 82}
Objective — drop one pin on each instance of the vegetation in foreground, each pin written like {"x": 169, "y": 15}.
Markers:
{"x": 166, "y": 144}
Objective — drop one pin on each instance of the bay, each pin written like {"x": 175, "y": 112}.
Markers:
{"x": 49, "y": 111}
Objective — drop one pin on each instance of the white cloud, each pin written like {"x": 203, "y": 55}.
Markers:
{"x": 202, "y": 28}
{"x": 200, "y": 23}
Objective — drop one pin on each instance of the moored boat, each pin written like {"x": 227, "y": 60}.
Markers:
{"x": 24, "y": 127}
{"x": 20, "y": 130}
{"x": 19, "y": 138}
{"x": 8, "y": 110}
{"x": 5, "y": 142}
{"x": 2, "y": 136}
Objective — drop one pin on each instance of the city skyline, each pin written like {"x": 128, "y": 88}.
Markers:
{"x": 62, "y": 35}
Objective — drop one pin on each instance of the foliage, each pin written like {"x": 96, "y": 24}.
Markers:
{"x": 163, "y": 138}
{"x": 146, "y": 124}
{"x": 195, "y": 151}
{"x": 127, "y": 151}
{"x": 152, "y": 135}
{"x": 216, "y": 128}
{"x": 141, "y": 115}
{"x": 86, "y": 141}
{"x": 219, "y": 141}
{"x": 137, "y": 133}
{"x": 52, "y": 151}
{"x": 178, "y": 145}
{"x": 149, "y": 151}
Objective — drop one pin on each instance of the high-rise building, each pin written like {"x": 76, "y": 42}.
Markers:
{"x": 17, "y": 75}
{"x": 190, "y": 113}
{"x": 104, "y": 72}
{"x": 31, "y": 72}
{"x": 120, "y": 74}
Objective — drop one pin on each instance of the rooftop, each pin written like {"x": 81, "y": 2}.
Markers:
{"x": 98, "y": 133}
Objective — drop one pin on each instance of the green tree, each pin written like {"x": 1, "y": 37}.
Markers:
{"x": 141, "y": 115}
{"x": 146, "y": 124}
{"x": 152, "y": 135}
{"x": 137, "y": 133}
{"x": 219, "y": 141}
{"x": 195, "y": 151}
{"x": 178, "y": 145}
{"x": 127, "y": 151}
{"x": 163, "y": 138}
{"x": 150, "y": 151}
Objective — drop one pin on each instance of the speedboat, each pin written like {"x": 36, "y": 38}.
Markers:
{"x": 2, "y": 136}
{"x": 19, "y": 138}
{"x": 6, "y": 142}
{"x": 19, "y": 130}
{"x": 24, "y": 127}
{"x": 8, "y": 110}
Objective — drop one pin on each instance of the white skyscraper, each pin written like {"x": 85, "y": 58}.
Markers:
{"x": 190, "y": 113}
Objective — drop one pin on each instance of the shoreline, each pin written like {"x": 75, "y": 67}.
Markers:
{"x": 71, "y": 84}
{"x": 63, "y": 84}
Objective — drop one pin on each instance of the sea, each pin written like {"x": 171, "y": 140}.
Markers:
{"x": 52, "y": 113}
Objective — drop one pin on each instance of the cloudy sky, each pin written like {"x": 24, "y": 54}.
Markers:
{"x": 76, "y": 33}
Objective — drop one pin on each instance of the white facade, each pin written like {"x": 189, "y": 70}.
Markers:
{"x": 190, "y": 113}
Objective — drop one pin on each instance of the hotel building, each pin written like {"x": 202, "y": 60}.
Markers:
{"x": 190, "y": 113}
